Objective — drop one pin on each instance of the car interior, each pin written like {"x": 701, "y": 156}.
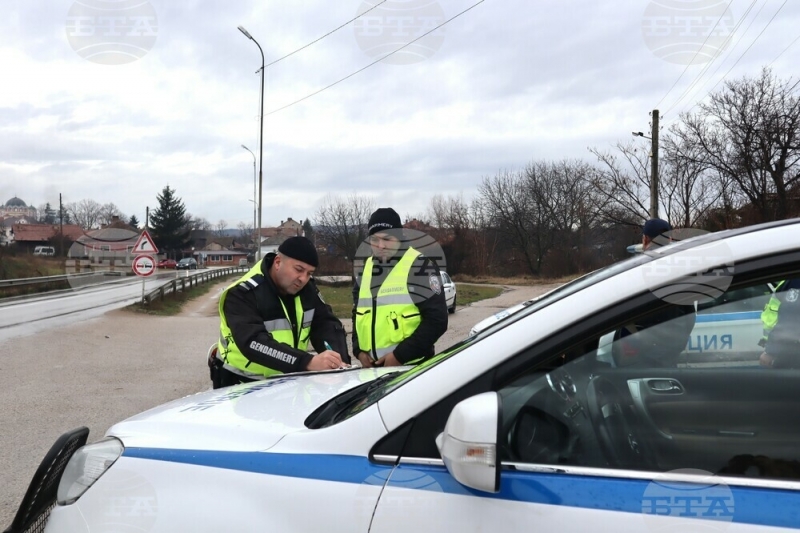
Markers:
{"x": 643, "y": 403}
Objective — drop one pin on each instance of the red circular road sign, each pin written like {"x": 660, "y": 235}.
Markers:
{"x": 144, "y": 265}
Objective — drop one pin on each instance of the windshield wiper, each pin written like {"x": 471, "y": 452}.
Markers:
{"x": 327, "y": 411}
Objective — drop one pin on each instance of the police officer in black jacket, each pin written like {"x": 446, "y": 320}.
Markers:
{"x": 269, "y": 316}
{"x": 399, "y": 307}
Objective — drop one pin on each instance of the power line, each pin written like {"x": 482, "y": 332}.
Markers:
{"x": 743, "y": 54}
{"x": 695, "y": 54}
{"x": 326, "y": 35}
{"x": 362, "y": 69}
{"x": 784, "y": 50}
{"x": 706, "y": 67}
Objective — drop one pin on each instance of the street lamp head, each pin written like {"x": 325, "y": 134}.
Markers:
{"x": 241, "y": 29}
{"x": 245, "y": 147}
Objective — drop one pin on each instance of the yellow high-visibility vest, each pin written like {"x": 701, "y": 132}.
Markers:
{"x": 281, "y": 329}
{"x": 392, "y": 315}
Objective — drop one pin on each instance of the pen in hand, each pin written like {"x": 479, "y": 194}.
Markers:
{"x": 328, "y": 347}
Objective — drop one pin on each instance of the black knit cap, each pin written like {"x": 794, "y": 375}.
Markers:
{"x": 300, "y": 248}
{"x": 382, "y": 219}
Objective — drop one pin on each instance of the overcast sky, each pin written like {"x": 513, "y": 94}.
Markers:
{"x": 114, "y": 99}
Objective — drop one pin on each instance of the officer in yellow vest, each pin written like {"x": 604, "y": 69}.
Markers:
{"x": 399, "y": 308}
{"x": 268, "y": 317}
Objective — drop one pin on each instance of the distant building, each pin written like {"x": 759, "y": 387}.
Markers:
{"x": 15, "y": 207}
{"x": 27, "y": 236}
{"x": 271, "y": 238}
{"x": 106, "y": 247}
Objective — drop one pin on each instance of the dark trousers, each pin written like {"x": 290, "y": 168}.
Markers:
{"x": 225, "y": 378}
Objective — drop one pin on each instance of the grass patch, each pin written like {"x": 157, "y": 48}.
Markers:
{"x": 341, "y": 298}
{"x": 467, "y": 293}
{"x": 29, "y": 266}
{"x": 519, "y": 280}
{"x": 172, "y": 303}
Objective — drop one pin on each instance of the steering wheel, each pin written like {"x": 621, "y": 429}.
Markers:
{"x": 606, "y": 406}
{"x": 537, "y": 437}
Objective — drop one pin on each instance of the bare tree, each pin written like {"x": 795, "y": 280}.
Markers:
{"x": 749, "y": 133}
{"x": 199, "y": 223}
{"x": 219, "y": 228}
{"x": 623, "y": 180}
{"x": 85, "y": 213}
{"x": 510, "y": 208}
{"x": 688, "y": 190}
{"x": 245, "y": 231}
{"x": 342, "y": 222}
{"x": 108, "y": 212}
{"x": 483, "y": 239}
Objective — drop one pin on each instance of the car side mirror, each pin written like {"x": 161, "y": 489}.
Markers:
{"x": 468, "y": 444}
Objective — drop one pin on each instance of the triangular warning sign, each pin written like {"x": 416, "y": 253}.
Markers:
{"x": 145, "y": 244}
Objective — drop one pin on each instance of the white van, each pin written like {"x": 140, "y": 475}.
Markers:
{"x": 44, "y": 250}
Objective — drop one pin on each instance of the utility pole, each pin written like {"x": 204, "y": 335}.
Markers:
{"x": 61, "y": 224}
{"x": 654, "y": 168}
{"x": 653, "y": 163}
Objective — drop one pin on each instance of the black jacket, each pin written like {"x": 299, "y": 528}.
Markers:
{"x": 247, "y": 308}
{"x": 432, "y": 307}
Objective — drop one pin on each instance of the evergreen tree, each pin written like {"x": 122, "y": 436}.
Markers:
{"x": 49, "y": 214}
{"x": 171, "y": 226}
{"x": 308, "y": 231}
{"x": 134, "y": 222}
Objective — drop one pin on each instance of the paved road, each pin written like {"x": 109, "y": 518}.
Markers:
{"x": 102, "y": 370}
{"x": 26, "y": 316}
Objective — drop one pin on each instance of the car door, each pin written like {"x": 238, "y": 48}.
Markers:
{"x": 449, "y": 288}
{"x": 614, "y": 424}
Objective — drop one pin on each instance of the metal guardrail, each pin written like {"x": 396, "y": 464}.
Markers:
{"x": 181, "y": 284}
{"x": 48, "y": 279}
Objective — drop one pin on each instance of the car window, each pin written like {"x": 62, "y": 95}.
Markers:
{"x": 659, "y": 392}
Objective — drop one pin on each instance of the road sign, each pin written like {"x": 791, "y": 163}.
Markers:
{"x": 144, "y": 245}
{"x": 144, "y": 265}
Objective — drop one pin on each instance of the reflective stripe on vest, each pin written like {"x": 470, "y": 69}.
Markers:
{"x": 392, "y": 315}
{"x": 281, "y": 330}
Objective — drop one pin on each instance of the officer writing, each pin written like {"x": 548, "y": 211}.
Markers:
{"x": 399, "y": 308}
{"x": 268, "y": 317}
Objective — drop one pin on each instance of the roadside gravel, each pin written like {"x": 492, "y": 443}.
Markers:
{"x": 107, "y": 369}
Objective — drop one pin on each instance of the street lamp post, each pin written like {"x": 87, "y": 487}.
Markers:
{"x": 256, "y": 231}
{"x": 258, "y": 243}
{"x": 260, "y": 138}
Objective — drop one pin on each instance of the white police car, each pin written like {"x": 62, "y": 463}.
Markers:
{"x": 574, "y": 414}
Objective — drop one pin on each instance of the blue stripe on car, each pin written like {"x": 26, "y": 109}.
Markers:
{"x": 727, "y": 317}
{"x": 748, "y": 505}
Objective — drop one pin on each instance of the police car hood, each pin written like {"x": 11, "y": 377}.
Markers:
{"x": 247, "y": 417}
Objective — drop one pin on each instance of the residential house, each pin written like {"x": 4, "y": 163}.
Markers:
{"x": 216, "y": 255}
{"x": 271, "y": 238}
{"x": 7, "y": 224}
{"x": 107, "y": 247}
{"x": 27, "y": 236}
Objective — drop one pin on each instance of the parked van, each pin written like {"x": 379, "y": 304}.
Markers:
{"x": 44, "y": 250}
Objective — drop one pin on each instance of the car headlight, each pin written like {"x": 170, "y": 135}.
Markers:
{"x": 85, "y": 467}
